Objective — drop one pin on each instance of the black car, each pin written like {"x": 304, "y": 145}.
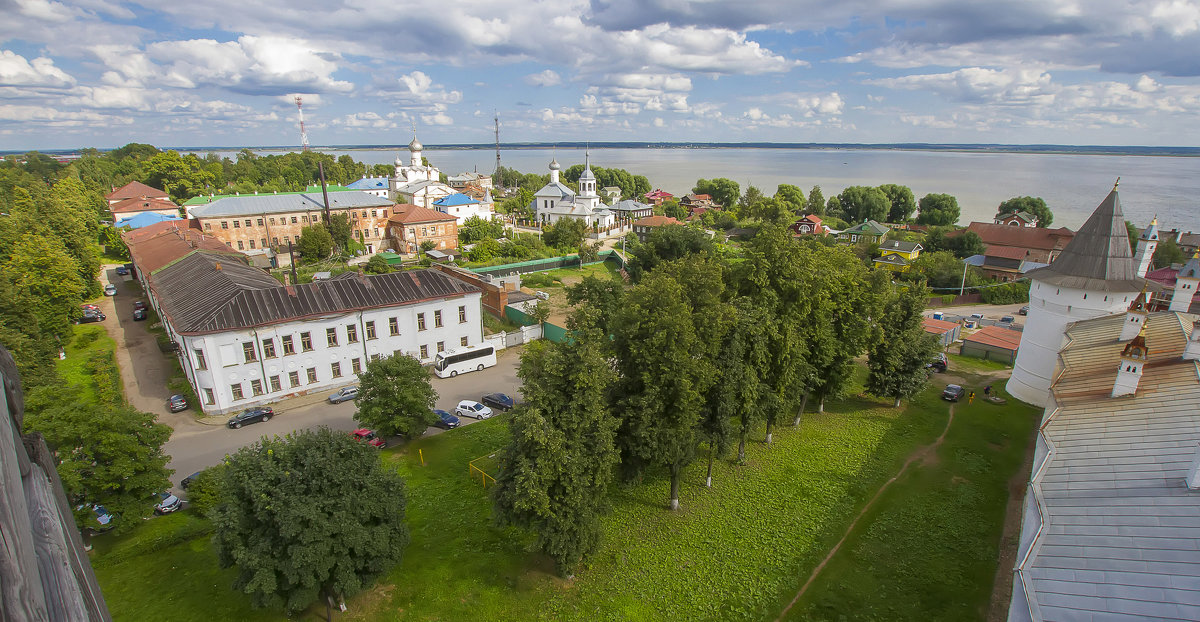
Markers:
{"x": 939, "y": 364}
{"x": 446, "y": 421}
{"x": 89, "y": 316}
{"x": 250, "y": 415}
{"x": 1023, "y": 310}
{"x": 139, "y": 305}
{"x": 139, "y": 315}
{"x": 498, "y": 401}
{"x": 176, "y": 403}
{"x": 187, "y": 481}
{"x": 122, "y": 270}
{"x": 953, "y": 393}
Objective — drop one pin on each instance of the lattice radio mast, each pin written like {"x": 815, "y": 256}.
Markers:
{"x": 497, "y": 118}
{"x": 303, "y": 132}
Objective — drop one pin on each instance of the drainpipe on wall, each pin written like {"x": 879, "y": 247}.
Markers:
{"x": 261, "y": 365}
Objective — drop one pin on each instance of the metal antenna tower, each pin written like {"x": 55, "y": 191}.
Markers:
{"x": 497, "y": 119}
{"x": 303, "y": 132}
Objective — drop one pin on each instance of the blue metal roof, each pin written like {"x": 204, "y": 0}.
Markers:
{"x": 457, "y": 198}
{"x": 369, "y": 183}
{"x": 145, "y": 219}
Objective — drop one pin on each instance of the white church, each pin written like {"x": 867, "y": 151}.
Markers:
{"x": 556, "y": 201}
{"x": 421, "y": 185}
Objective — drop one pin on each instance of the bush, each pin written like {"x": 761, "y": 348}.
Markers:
{"x": 102, "y": 366}
{"x": 539, "y": 279}
{"x": 205, "y": 490}
{"x": 156, "y": 535}
{"x": 1009, "y": 293}
{"x": 83, "y": 339}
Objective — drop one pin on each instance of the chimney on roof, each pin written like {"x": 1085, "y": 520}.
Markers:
{"x": 217, "y": 266}
{"x": 1191, "y": 351}
{"x": 1133, "y": 359}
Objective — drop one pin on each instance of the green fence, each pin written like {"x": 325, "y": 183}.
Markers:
{"x": 541, "y": 265}
{"x": 554, "y": 332}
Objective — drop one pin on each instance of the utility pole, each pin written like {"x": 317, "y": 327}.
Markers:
{"x": 292, "y": 256}
{"x": 303, "y": 133}
{"x": 497, "y": 171}
{"x": 963, "y": 285}
{"x": 324, "y": 190}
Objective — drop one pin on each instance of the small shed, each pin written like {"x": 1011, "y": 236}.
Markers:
{"x": 992, "y": 343}
{"x": 946, "y": 332}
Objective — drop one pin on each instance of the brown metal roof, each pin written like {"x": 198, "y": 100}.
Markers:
{"x": 1019, "y": 237}
{"x": 996, "y": 336}
{"x": 141, "y": 204}
{"x": 656, "y": 221}
{"x": 208, "y": 292}
{"x": 157, "y": 245}
{"x": 134, "y": 190}
{"x": 1006, "y": 252}
{"x": 938, "y": 327}
{"x": 407, "y": 213}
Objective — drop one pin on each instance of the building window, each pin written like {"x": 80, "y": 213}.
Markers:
{"x": 424, "y": 352}
{"x": 251, "y": 243}
{"x": 248, "y": 352}
{"x": 441, "y": 345}
{"x": 200, "y": 362}
{"x": 351, "y": 333}
{"x": 394, "y": 326}
{"x": 421, "y": 322}
{"x": 209, "y": 396}
{"x": 375, "y": 357}
{"x": 236, "y": 389}
{"x": 462, "y": 341}
{"x": 336, "y": 369}
{"x": 241, "y": 247}
{"x": 437, "y": 319}
{"x": 364, "y": 212}
{"x": 272, "y": 220}
{"x": 224, "y": 225}
{"x": 306, "y": 342}
{"x": 374, "y": 213}
{"x": 256, "y": 387}
{"x": 288, "y": 346}
{"x": 275, "y": 241}
{"x": 331, "y": 337}
{"x": 376, "y": 232}
{"x": 268, "y": 346}
{"x": 237, "y": 224}
{"x": 312, "y": 375}
{"x": 294, "y": 378}
{"x": 260, "y": 222}
{"x": 293, "y": 220}
{"x": 208, "y": 226}
{"x": 356, "y": 365}
{"x": 263, "y": 242}
{"x": 304, "y": 218}
{"x": 370, "y": 330}
{"x": 462, "y": 314}
{"x": 248, "y": 223}
{"x": 275, "y": 386}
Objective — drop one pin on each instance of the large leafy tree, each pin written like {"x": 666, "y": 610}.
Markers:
{"x": 395, "y": 397}
{"x": 724, "y": 192}
{"x": 311, "y": 516}
{"x": 938, "y": 209}
{"x": 1033, "y": 205}
{"x": 943, "y": 271}
{"x": 896, "y": 362}
{"x": 844, "y": 303}
{"x": 664, "y": 244}
{"x": 43, "y": 280}
{"x": 340, "y": 230}
{"x": 555, "y": 472}
{"x": 816, "y": 201}
{"x": 565, "y": 233}
{"x": 315, "y": 242}
{"x": 475, "y": 229}
{"x": 791, "y": 198}
{"x": 601, "y": 295}
{"x": 903, "y": 204}
{"x": 108, "y": 454}
{"x": 861, "y": 203}
{"x": 742, "y": 398}
{"x": 962, "y": 243}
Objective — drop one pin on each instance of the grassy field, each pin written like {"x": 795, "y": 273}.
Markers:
{"x": 738, "y": 551}
{"x": 89, "y": 346}
{"x": 972, "y": 365}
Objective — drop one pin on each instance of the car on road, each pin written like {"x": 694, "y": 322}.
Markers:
{"x": 250, "y": 415}
{"x": 1008, "y": 319}
{"x": 122, "y": 270}
{"x": 953, "y": 393}
{"x": 976, "y": 316}
{"x": 1023, "y": 310}
{"x": 499, "y": 401}
{"x": 139, "y": 305}
{"x": 343, "y": 394}
{"x": 369, "y": 437}
{"x": 446, "y": 421}
{"x": 469, "y": 408}
{"x": 89, "y": 316}
{"x": 167, "y": 503}
{"x": 176, "y": 403}
{"x": 139, "y": 315}
{"x": 187, "y": 481}
{"x": 110, "y": 290}
{"x": 939, "y": 364}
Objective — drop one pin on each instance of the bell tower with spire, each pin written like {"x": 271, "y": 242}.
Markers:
{"x": 1147, "y": 242}
{"x": 1186, "y": 283}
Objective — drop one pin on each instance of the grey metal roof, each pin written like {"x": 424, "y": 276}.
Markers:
{"x": 253, "y": 205}
{"x": 899, "y": 245}
{"x": 629, "y": 205}
{"x": 556, "y": 190}
{"x": 1113, "y": 532}
{"x": 1098, "y": 258}
{"x": 208, "y": 292}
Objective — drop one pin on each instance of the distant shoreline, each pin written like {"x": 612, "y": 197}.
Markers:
{"x": 932, "y": 147}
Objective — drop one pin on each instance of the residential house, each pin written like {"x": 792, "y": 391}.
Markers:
{"x": 411, "y": 225}
{"x": 692, "y": 201}
{"x": 643, "y": 226}
{"x": 808, "y": 225}
{"x": 897, "y": 255}
{"x": 658, "y": 196}
{"x": 462, "y": 207}
{"x": 1187, "y": 242}
{"x": 869, "y": 232}
{"x": 125, "y": 209}
{"x": 471, "y": 178}
{"x": 610, "y": 194}
{"x": 992, "y": 343}
{"x": 146, "y": 219}
{"x": 1043, "y": 245}
{"x": 1017, "y": 219}
{"x": 946, "y": 332}
{"x": 260, "y": 221}
{"x": 135, "y": 190}
{"x": 1004, "y": 263}
{"x": 630, "y": 210}
{"x": 377, "y": 186}
{"x": 556, "y": 201}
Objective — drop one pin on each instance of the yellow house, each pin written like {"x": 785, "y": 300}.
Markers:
{"x": 897, "y": 255}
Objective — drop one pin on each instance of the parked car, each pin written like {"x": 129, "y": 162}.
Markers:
{"x": 187, "y": 481}
{"x": 446, "y": 421}
{"x": 167, "y": 503}
{"x": 139, "y": 315}
{"x": 468, "y": 408}
{"x": 176, "y": 403}
{"x": 939, "y": 364}
{"x": 90, "y": 316}
{"x": 110, "y": 290}
{"x": 1023, "y": 310}
{"x": 498, "y": 400}
{"x": 541, "y": 295}
{"x": 85, "y": 306}
{"x": 1008, "y": 319}
{"x": 122, "y": 270}
{"x": 250, "y": 415}
{"x": 976, "y": 316}
{"x": 953, "y": 393}
{"x": 139, "y": 305}
{"x": 99, "y": 519}
{"x": 369, "y": 437}
{"x": 343, "y": 394}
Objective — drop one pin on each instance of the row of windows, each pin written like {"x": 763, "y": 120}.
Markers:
{"x": 283, "y": 220}
{"x": 288, "y": 344}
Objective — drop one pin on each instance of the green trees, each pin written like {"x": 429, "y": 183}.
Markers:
{"x": 724, "y": 192}
{"x": 938, "y": 209}
{"x": 475, "y": 229}
{"x": 395, "y": 397}
{"x": 565, "y": 233}
{"x": 1168, "y": 252}
{"x": 896, "y": 362}
{"x": 311, "y": 516}
{"x": 339, "y": 230}
{"x": 816, "y": 201}
{"x": 632, "y": 186}
{"x": 902, "y": 202}
{"x": 942, "y": 270}
{"x": 861, "y": 203}
{"x": 963, "y": 244}
{"x": 377, "y": 265}
{"x": 791, "y": 198}
{"x": 315, "y": 242}
{"x": 556, "y": 471}
{"x": 1033, "y": 205}
{"x": 665, "y": 244}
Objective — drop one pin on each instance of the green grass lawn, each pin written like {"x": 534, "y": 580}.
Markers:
{"x": 737, "y": 551}
{"x": 970, "y": 364}
{"x": 78, "y": 369}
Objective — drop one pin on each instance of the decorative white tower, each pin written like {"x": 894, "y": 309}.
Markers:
{"x": 1135, "y": 318}
{"x": 1133, "y": 359}
{"x": 1147, "y": 242}
{"x": 1185, "y": 284}
{"x": 587, "y": 185}
{"x": 415, "y": 148}
{"x": 554, "y": 168}
{"x": 1094, "y": 276}
{"x": 1191, "y": 351}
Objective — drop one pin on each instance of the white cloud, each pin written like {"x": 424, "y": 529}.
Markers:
{"x": 437, "y": 119}
{"x": 543, "y": 78}
{"x": 978, "y": 85}
{"x": 417, "y": 89}
{"x": 1178, "y": 17}
{"x": 16, "y": 71}
{"x": 825, "y": 105}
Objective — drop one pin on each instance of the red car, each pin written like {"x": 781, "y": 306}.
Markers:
{"x": 363, "y": 434}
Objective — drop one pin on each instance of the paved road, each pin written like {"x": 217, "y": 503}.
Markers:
{"x": 195, "y": 447}
{"x": 991, "y": 313}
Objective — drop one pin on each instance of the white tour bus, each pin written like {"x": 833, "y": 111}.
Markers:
{"x": 462, "y": 360}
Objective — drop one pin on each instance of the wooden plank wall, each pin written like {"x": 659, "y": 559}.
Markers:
{"x": 44, "y": 570}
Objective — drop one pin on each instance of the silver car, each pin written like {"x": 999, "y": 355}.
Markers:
{"x": 469, "y": 408}
{"x": 343, "y": 394}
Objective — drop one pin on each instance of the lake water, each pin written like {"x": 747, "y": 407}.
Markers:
{"x": 1072, "y": 185}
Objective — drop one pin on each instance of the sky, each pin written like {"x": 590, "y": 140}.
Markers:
{"x": 103, "y": 73}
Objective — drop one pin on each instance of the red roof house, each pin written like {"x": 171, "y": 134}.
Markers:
{"x": 657, "y": 196}
{"x": 135, "y": 190}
